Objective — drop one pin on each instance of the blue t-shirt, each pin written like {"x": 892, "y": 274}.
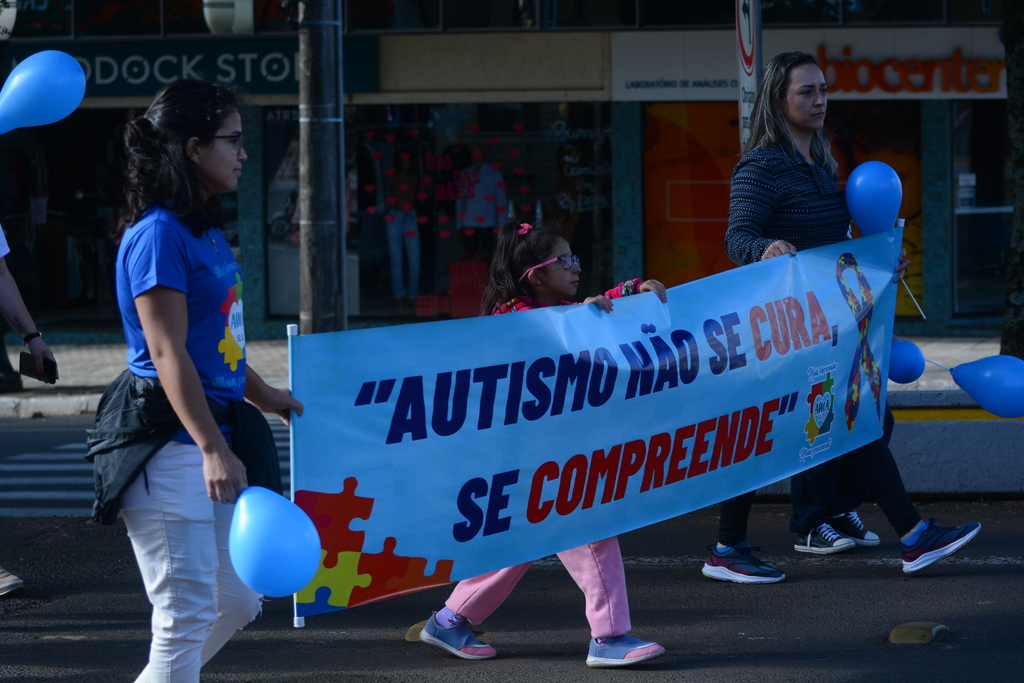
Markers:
{"x": 160, "y": 250}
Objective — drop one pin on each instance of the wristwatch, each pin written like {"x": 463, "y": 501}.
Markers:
{"x": 30, "y": 336}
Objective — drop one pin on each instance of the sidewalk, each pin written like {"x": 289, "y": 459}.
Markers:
{"x": 85, "y": 370}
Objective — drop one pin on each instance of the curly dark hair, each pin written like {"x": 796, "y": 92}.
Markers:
{"x": 157, "y": 169}
{"x": 513, "y": 255}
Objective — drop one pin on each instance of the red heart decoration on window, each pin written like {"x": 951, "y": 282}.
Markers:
{"x": 475, "y": 128}
{"x": 391, "y": 201}
{"x": 443, "y": 218}
{"x": 501, "y": 209}
{"x": 403, "y": 186}
{"x": 477, "y": 153}
{"x": 377, "y": 155}
{"x": 370, "y": 188}
{"x": 480, "y": 218}
{"x": 390, "y": 218}
{"x": 520, "y": 170}
{"x": 371, "y": 209}
{"x": 410, "y": 233}
{"x": 526, "y": 208}
{"x": 513, "y": 153}
{"x": 405, "y": 156}
{"x": 390, "y": 137}
{"x": 469, "y": 232}
{"x": 425, "y": 181}
{"x": 488, "y": 197}
{"x": 494, "y": 141}
{"x": 500, "y": 183}
{"x": 422, "y": 220}
{"x": 497, "y": 230}
{"x": 422, "y": 196}
{"x": 414, "y": 133}
{"x": 496, "y": 167}
{"x": 444, "y": 234}
{"x": 389, "y": 172}
{"x": 370, "y": 134}
{"x": 462, "y": 215}
{"x": 407, "y": 206}
{"x": 525, "y": 189}
{"x": 518, "y": 127}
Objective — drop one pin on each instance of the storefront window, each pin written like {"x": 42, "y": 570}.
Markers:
{"x": 982, "y": 205}
{"x": 58, "y": 193}
{"x": 894, "y": 11}
{"x": 430, "y": 186}
{"x": 122, "y": 18}
{"x": 47, "y": 19}
{"x": 675, "y": 13}
{"x": 397, "y": 15}
{"x": 974, "y": 10}
{"x": 490, "y": 14}
{"x": 800, "y": 11}
{"x": 590, "y": 13}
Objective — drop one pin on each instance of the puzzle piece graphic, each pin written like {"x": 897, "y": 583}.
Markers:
{"x": 382, "y": 567}
{"x": 231, "y": 350}
{"x": 341, "y": 579}
{"x": 415, "y": 579}
{"x": 318, "y": 606}
{"x": 332, "y": 513}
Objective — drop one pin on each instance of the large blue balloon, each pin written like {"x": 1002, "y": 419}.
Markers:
{"x": 873, "y": 195}
{"x": 995, "y": 382}
{"x": 906, "y": 362}
{"x": 42, "y": 89}
{"x": 274, "y": 545}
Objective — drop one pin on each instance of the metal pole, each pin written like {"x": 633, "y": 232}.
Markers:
{"x": 320, "y": 227}
{"x": 342, "y": 297}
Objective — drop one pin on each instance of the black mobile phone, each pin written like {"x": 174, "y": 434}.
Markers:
{"x": 28, "y": 368}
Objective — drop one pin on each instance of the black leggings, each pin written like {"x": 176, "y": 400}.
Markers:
{"x": 870, "y": 468}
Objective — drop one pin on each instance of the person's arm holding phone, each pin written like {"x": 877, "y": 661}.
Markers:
{"x": 12, "y": 306}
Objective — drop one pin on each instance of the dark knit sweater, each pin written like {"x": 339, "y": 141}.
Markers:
{"x": 777, "y": 195}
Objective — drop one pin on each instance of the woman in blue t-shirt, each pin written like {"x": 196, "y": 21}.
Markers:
{"x": 180, "y": 293}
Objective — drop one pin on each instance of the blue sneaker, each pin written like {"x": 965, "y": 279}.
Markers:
{"x": 935, "y": 543}
{"x": 738, "y": 564}
{"x": 607, "y": 653}
{"x": 458, "y": 640}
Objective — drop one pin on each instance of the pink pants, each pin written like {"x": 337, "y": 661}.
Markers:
{"x": 596, "y": 568}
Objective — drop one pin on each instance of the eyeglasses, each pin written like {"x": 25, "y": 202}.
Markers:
{"x": 568, "y": 261}
{"x": 238, "y": 141}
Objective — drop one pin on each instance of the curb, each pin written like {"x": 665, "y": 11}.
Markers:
{"x": 22, "y": 406}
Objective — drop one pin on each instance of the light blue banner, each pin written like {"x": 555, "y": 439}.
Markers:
{"x": 449, "y": 449}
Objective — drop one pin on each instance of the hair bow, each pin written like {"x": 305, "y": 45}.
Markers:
{"x": 524, "y": 228}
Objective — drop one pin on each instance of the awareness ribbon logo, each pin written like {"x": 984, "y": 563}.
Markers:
{"x": 863, "y": 359}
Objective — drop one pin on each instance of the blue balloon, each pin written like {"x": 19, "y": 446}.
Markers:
{"x": 274, "y": 545}
{"x": 873, "y": 195}
{"x": 995, "y": 382}
{"x": 42, "y": 89}
{"x": 906, "y": 362}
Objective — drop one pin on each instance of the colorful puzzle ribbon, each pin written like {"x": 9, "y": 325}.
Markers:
{"x": 863, "y": 359}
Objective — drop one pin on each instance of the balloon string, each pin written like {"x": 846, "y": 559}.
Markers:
{"x": 941, "y": 366}
{"x": 923, "y": 316}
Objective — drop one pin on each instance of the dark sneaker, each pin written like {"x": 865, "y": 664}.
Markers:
{"x": 458, "y": 640}
{"x": 738, "y": 564}
{"x": 823, "y": 541}
{"x": 607, "y": 653}
{"x": 849, "y": 525}
{"x": 935, "y": 543}
{"x": 9, "y": 583}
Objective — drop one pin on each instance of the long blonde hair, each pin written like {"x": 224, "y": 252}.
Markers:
{"x": 768, "y": 124}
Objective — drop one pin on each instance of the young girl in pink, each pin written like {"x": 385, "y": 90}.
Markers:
{"x": 533, "y": 267}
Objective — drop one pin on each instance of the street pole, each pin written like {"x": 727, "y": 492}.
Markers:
{"x": 321, "y": 169}
{"x": 748, "y": 49}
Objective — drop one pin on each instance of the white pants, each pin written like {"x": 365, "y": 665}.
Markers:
{"x": 180, "y": 538}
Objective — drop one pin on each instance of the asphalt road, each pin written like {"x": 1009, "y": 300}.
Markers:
{"x": 83, "y": 615}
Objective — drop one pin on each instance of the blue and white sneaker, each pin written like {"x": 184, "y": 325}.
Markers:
{"x": 458, "y": 640}
{"x": 607, "y": 653}
{"x": 936, "y": 543}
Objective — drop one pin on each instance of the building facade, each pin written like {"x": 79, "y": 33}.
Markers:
{"x": 616, "y": 118}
